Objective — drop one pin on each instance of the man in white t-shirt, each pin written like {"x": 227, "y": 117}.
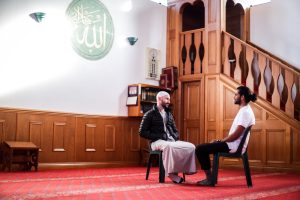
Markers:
{"x": 244, "y": 118}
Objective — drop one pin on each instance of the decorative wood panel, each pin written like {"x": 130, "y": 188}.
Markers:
{"x": 132, "y": 142}
{"x": 134, "y": 139}
{"x": 192, "y": 135}
{"x": 212, "y": 47}
{"x": 90, "y": 130}
{"x": 295, "y": 141}
{"x": 211, "y": 135}
{"x": 7, "y": 125}
{"x": 230, "y": 109}
{"x": 35, "y": 133}
{"x": 2, "y": 130}
{"x": 256, "y": 146}
{"x": 211, "y": 99}
{"x": 212, "y": 10}
{"x": 192, "y": 111}
{"x": 276, "y": 146}
{"x": 110, "y": 138}
{"x": 58, "y": 136}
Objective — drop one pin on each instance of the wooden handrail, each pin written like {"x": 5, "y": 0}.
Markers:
{"x": 267, "y": 55}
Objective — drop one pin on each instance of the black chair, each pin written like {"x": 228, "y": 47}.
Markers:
{"x": 237, "y": 154}
{"x": 152, "y": 155}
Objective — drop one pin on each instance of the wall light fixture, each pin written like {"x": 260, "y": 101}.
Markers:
{"x": 37, "y": 16}
{"x": 132, "y": 40}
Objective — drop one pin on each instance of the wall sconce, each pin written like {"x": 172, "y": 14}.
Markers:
{"x": 132, "y": 40}
{"x": 37, "y": 16}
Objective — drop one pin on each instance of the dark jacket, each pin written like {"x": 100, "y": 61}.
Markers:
{"x": 152, "y": 126}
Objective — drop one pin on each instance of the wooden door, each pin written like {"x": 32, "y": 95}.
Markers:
{"x": 191, "y": 111}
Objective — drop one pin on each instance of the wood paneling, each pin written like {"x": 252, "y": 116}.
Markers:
{"x": 212, "y": 47}
{"x": 35, "y": 133}
{"x": 276, "y": 146}
{"x": 110, "y": 137}
{"x": 295, "y": 141}
{"x": 59, "y": 131}
{"x": 70, "y": 138}
{"x": 192, "y": 111}
{"x": 90, "y": 130}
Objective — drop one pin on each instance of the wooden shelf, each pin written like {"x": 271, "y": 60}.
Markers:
{"x": 146, "y": 98}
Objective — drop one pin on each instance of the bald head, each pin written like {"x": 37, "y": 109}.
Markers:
{"x": 162, "y": 94}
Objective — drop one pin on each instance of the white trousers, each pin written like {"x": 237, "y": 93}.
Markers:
{"x": 177, "y": 156}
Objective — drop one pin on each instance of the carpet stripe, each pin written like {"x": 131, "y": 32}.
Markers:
{"x": 123, "y": 175}
{"x": 264, "y": 194}
{"x": 72, "y": 178}
{"x": 86, "y": 191}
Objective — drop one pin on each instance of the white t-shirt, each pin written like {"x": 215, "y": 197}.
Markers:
{"x": 245, "y": 117}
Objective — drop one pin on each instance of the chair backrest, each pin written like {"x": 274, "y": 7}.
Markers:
{"x": 241, "y": 145}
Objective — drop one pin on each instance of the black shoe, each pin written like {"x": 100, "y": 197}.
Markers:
{"x": 205, "y": 182}
{"x": 180, "y": 181}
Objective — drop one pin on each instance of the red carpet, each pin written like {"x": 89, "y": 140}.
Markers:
{"x": 130, "y": 183}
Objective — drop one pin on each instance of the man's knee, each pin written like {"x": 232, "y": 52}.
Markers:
{"x": 200, "y": 149}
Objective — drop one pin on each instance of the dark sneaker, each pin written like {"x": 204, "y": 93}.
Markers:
{"x": 205, "y": 182}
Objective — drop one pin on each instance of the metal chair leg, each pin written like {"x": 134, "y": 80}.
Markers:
{"x": 149, "y": 166}
{"x": 215, "y": 169}
{"x": 161, "y": 169}
{"x": 247, "y": 169}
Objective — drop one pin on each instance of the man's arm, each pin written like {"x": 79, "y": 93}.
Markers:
{"x": 235, "y": 135}
{"x": 144, "y": 130}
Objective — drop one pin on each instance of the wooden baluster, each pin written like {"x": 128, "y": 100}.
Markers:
{"x": 250, "y": 78}
{"x": 188, "y": 42}
{"x": 262, "y": 91}
{"x": 275, "y": 75}
{"x": 289, "y": 80}
{"x": 197, "y": 60}
{"x": 226, "y": 61}
{"x": 297, "y": 97}
{"x": 181, "y": 70}
{"x": 202, "y": 53}
{"x": 237, "y": 71}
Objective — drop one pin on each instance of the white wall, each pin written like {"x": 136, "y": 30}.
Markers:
{"x": 275, "y": 27}
{"x": 40, "y": 70}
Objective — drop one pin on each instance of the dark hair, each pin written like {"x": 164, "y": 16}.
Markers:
{"x": 245, "y": 91}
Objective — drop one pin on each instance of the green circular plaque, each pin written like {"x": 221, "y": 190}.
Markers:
{"x": 92, "y": 28}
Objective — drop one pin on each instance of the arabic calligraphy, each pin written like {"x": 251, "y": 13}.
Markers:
{"x": 93, "y": 32}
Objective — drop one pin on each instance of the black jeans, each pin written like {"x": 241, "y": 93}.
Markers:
{"x": 203, "y": 151}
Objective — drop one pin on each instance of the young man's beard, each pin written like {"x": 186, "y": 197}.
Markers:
{"x": 238, "y": 101}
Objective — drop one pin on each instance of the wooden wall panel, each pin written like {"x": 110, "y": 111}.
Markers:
{"x": 192, "y": 135}
{"x": 295, "y": 141}
{"x": 212, "y": 100}
{"x": 113, "y": 146}
{"x": 90, "y": 137}
{"x": 69, "y": 138}
{"x": 212, "y": 47}
{"x": 110, "y": 138}
{"x": 276, "y": 146}
{"x": 36, "y": 132}
{"x": 59, "y": 131}
{"x": 133, "y": 144}
{"x": 8, "y": 125}
{"x": 256, "y": 147}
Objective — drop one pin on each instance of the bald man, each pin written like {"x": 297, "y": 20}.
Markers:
{"x": 158, "y": 126}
